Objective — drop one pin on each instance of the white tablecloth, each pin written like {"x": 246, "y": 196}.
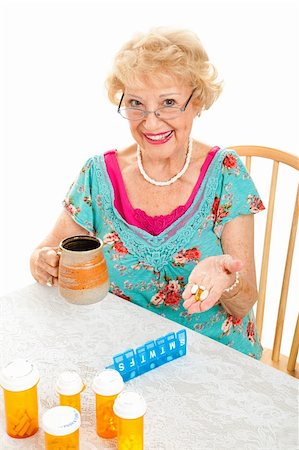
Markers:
{"x": 212, "y": 398}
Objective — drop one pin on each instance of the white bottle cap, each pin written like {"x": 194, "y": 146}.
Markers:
{"x": 69, "y": 383}
{"x": 19, "y": 375}
{"x": 129, "y": 405}
{"x": 108, "y": 382}
{"x": 61, "y": 420}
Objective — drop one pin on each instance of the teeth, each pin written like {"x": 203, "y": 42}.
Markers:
{"x": 160, "y": 137}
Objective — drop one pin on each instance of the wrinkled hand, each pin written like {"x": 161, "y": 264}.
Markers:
{"x": 44, "y": 265}
{"x": 215, "y": 273}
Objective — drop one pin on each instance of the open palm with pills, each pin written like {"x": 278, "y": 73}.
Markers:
{"x": 212, "y": 276}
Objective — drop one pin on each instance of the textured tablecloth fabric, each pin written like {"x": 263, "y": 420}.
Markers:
{"x": 212, "y": 398}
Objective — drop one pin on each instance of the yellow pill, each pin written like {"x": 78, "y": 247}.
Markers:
{"x": 31, "y": 428}
{"x": 22, "y": 423}
{"x": 23, "y": 431}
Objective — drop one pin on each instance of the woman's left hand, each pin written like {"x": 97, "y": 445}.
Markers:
{"x": 215, "y": 274}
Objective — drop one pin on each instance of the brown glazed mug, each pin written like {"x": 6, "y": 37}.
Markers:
{"x": 82, "y": 274}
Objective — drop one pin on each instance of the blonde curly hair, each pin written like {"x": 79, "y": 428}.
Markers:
{"x": 165, "y": 53}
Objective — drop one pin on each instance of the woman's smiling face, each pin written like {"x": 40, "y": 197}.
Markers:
{"x": 160, "y": 136}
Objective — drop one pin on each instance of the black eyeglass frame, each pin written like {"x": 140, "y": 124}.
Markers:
{"x": 146, "y": 113}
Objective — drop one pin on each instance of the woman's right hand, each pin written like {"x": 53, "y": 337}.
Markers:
{"x": 44, "y": 265}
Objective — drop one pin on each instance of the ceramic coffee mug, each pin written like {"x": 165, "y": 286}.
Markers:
{"x": 82, "y": 275}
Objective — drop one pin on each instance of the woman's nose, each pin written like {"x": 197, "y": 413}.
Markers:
{"x": 151, "y": 121}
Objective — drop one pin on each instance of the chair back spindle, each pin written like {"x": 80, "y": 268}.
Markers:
{"x": 266, "y": 251}
{"x": 285, "y": 284}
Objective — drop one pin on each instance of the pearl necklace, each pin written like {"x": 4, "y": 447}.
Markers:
{"x": 173, "y": 179}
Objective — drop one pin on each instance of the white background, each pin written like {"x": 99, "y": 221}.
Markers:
{"x": 55, "y": 56}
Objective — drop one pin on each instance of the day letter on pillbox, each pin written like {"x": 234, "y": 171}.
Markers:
{"x": 171, "y": 346}
{"x": 142, "y": 360}
{"x": 130, "y": 363}
{"x": 182, "y": 337}
{"x": 119, "y": 363}
{"x": 162, "y": 355}
{"x": 152, "y": 353}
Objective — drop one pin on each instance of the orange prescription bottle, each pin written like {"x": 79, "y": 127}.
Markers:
{"x": 106, "y": 385}
{"x": 61, "y": 426}
{"x": 19, "y": 382}
{"x": 69, "y": 386}
{"x": 129, "y": 407}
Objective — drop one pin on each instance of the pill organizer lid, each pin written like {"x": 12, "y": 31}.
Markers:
{"x": 108, "y": 382}
{"x": 129, "y": 405}
{"x": 19, "y": 375}
{"x": 69, "y": 383}
{"x": 61, "y": 420}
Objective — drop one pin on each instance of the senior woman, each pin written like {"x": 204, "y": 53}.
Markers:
{"x": 175, "y": 214}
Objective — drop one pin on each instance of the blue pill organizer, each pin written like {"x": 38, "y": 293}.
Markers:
{"x": 132, "y": 363}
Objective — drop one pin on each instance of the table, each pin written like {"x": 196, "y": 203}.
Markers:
{"x": 212, "y": 398}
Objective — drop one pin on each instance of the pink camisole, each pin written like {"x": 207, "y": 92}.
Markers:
{"x": 154, "y": 225}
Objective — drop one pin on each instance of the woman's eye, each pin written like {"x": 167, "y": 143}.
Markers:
{"x": 135, "y": 103}
{"x": 169, "y": 102}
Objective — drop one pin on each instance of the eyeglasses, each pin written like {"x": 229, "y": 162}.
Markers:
{"x": 164, "y": 113}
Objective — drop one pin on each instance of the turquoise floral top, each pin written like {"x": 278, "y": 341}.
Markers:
{"x": 152, "y": 271}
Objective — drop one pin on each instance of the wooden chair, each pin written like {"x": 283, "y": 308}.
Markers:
{"x": 273, "y": 357}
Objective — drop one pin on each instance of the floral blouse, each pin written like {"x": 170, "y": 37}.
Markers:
{"x": 152, "y": 271}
